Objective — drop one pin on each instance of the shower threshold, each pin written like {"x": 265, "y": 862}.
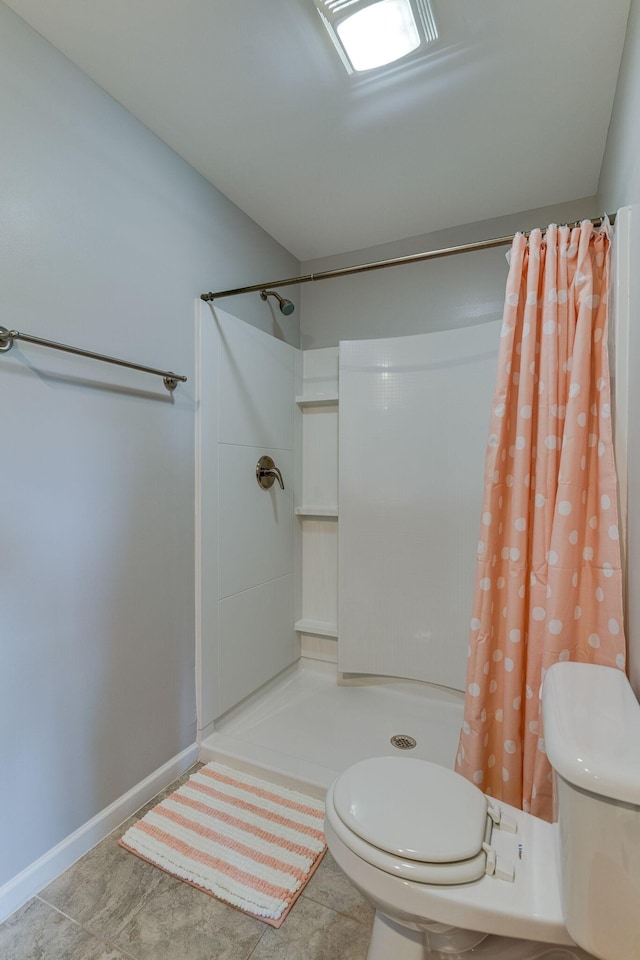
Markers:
{"x": 303, "y": 728}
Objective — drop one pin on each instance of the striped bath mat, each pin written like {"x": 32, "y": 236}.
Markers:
{"x": 241, "y": 839}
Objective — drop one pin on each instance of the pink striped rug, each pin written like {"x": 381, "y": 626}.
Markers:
{"x": 243, "y": 840}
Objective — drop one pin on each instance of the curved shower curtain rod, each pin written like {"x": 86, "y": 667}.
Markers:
{"x": 380, "y": 264}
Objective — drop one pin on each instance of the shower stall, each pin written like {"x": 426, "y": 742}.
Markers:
{"x": 373, "y": 528}
{"x": 334, "y": 612}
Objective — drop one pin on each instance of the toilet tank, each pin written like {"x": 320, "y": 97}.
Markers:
{"x": 592, "y": 738}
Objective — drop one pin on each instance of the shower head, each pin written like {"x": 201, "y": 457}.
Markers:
{"x": 286, "y": 307}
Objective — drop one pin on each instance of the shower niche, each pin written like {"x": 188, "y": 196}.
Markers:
{"x": 317, "y": 504}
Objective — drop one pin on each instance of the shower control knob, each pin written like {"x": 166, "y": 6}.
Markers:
{"x": 267, "y": 473}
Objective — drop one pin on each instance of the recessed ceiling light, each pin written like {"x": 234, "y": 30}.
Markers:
{"x": 374, "y": 33}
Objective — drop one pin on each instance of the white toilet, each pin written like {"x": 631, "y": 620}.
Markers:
{"x": 455, "y": 875}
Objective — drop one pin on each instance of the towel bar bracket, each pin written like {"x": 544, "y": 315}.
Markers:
{"x": 6, "y": 339}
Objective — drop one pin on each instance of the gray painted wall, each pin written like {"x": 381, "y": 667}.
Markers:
{"x": 620, "y": 177}
{"x": 435, "y": 295}
{"x": 106, "y": 239}
{"x": 620, "y": 186}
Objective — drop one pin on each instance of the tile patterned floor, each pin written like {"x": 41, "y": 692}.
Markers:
{"x": 111, "y": 905}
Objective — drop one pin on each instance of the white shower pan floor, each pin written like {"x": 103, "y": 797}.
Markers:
{"x": 304, "y": 728}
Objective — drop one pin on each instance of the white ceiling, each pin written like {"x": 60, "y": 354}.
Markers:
{"x": 510, "y": 112}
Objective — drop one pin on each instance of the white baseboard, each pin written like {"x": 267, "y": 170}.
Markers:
{"x": 41, "y": 872}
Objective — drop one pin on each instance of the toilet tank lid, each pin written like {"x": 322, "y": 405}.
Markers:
{"x": 592, "y": 729}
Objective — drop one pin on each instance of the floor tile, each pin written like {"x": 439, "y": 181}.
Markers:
{"x": 105, "y": 888}
{"x": 38, "y": 932}
{"x": 181, "y": 923}
{"x": 330, "y": 887}
{"x": 314, "y": 932}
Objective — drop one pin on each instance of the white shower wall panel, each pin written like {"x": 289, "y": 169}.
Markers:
{"x": 256, "y": 525}
{"x": 257, "y": 640}
{"x": 320, "y": 456}
{"x": 255, "y": 386}
{"x": 320, "y": 371}
{"x": 248, "y": 537}
{"x": 320, "y": 567}
{"x": 414, "y": 415}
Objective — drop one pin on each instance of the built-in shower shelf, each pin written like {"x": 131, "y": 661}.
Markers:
{"x": 331, "y": 513}
{"x": 318, "y": 628}
{"x": 317, "y": 399}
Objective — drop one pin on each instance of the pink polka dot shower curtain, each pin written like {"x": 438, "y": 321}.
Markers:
{"x": 548, "y": 580}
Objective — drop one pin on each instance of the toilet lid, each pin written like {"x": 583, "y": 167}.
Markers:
{"x": 412, "y": 809}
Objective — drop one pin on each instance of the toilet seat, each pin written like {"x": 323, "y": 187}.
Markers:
{"x": 413, "y": 819}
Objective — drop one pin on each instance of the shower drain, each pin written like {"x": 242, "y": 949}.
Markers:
{"x": 403, "y": 741}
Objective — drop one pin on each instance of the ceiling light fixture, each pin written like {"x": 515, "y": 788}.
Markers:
{"x": 374, "y": 33}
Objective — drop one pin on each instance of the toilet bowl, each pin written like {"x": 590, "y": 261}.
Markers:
{"x": 417, "y": 840}
{"x": 454, "y": 874}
